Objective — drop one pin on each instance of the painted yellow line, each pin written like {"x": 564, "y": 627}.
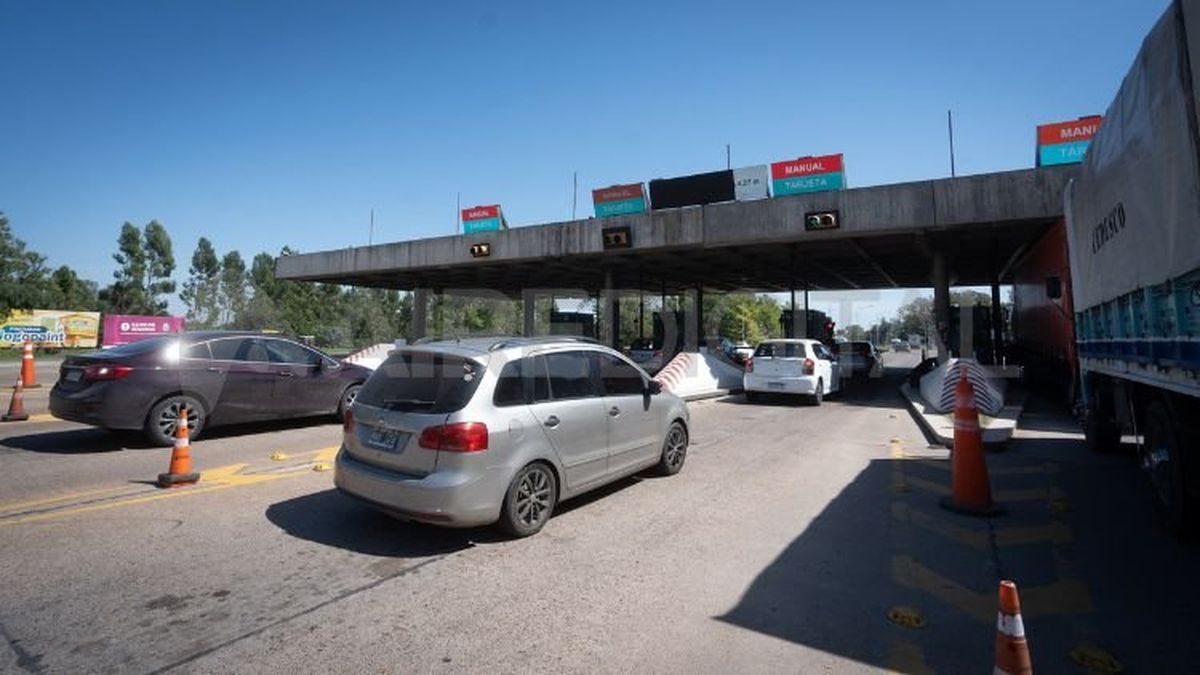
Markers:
{"x": 214, "y": 479}
{"x": 221, "y": 472}
{"x": 65, "y": 497}
{"x": 41, "y": 417}
{"x": 1054, "y": 532}
{"x": 1065, "y": 596}
{"x": 1026, "y": 495}
{"x": 326, "y": 454}
{"x": 1048, "y": 467}
{"x": 906, "y": 657}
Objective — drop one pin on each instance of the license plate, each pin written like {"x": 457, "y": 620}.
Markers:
{"x": 73, "y": 375}
{"x": 775, "y": 385}
{"x": 383, "y": 439}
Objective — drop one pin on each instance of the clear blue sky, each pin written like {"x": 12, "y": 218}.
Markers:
{"x": 264, "y": 124}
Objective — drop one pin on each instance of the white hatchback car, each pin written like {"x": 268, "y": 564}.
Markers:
{"x": 805, "y": 367}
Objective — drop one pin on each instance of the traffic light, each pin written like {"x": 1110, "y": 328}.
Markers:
{"x": 481, "y": 250}
{"x": 821, "y": 220}
{"x": 829, "y": 326}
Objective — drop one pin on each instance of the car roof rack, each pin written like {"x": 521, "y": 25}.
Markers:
{"x": 541, "y": 339}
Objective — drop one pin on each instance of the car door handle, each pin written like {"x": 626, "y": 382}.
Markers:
{"x": 214, "y": 370}
{"x": 551, "y": 421}
{"x": 284, "y": 373}
{"x": 614, "y": 411}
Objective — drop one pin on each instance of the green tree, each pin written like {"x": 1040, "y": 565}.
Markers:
{"x": 201, "y": 292}
{"x": 22, "y": 273}
{"x": 146, "y": 262}
{"x": 233, "y": 295}
{"x": 68, "y": 291}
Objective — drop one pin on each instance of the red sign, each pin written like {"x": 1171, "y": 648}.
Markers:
{"x": 1081, "y": 129}
{"x": 617, "y": 193}
{"x": 481, "y": 212}
{"x": 806, "y": 166}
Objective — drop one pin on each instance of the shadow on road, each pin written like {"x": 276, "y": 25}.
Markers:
{"x": 76, "y": 441}
{"x": 333, "y": 519}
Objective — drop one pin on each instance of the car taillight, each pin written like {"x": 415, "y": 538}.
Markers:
{"x": 750, "y": 364}
{"x": 458, "y": 437}
{"x": 348, "y": 421}
{"x": 809, "y": 365}
{"x": 106, "y": 372}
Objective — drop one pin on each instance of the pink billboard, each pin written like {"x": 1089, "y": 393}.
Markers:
{"x": 120, "y": 329}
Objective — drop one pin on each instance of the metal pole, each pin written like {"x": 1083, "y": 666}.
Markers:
{"x": 574, "y": 192}
{"x": 728, "y": 161}
{"x": 457, "y": 212}
{"x": 371, "y": 232}
{"x": 950, "y": 127}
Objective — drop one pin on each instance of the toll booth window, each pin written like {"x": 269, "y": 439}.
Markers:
{"x": 571, "y": 375}
{"x": 619, "y": 378}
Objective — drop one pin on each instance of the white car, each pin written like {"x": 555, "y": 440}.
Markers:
{"x": 804, "y": 367}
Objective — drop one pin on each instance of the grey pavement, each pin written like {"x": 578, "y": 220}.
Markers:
{"x": 781, "y": 547}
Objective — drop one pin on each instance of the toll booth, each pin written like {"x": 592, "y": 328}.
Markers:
{"x": 573, "y": 323}
{"x": 819, "y": 325}
{"x": 971, "y": 333}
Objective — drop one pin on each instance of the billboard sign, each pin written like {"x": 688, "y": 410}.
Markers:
{"x": 807, "y": 174}
{"x": 751, "y": 182}
{"x": 121, "y": 329}
{"x": 619, "y": 200}
{"x": 694, "y": 190}
{"x": 50, "y": 328}
{"x": 483, "y": 219}
{"x": 1066, "y": 142}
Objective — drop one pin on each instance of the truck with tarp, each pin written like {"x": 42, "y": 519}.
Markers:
{"x": 1133, "y": 235}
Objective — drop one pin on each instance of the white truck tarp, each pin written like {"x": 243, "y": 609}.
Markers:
{"x": 1133, "y": 214}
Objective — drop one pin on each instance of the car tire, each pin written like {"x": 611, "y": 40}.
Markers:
{"x": 819, "y": 395}
{"x": 529, "y": 501}
{"x": 1162, "y": 459}
{"x": 674, "y": 451}
{"x": 160, "y": 423}
{"x": 347, "y": 399}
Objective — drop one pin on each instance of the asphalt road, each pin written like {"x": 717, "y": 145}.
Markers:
{"x": 783, "y": 545}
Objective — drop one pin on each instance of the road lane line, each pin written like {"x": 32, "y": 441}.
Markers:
{"x": 214, "y": 479}
{"x": 906, "y": 657}
{"x": 1065, "y": 596}
{"x": 66, "y": 497}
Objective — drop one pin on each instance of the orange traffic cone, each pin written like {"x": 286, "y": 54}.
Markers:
{"x": 16, "y": 406}
{"x": 1012, "y": 652}
{"x": 180, "y": 472}
{"x": 972, "y": 494}
{"x": 27, "y": 372}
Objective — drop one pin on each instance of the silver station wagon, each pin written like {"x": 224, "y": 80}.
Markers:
{"x": 499, "y": 430}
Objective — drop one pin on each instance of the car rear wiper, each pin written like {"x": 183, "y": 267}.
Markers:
{"x": 395, "y": 403}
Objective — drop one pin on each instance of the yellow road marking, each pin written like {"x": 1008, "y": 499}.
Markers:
{"x": 906, "y": 657}
{"x": 1065, "y": 596}
{"x": 326, "y": 454}
{"x": 41, "y": 417}
{"x": 66, "y": 497}
{"x": 1054, "y": 532}
{"x": 211, "y": 480}
{"x": 1026, "y": 495}
{"x": 1048, "y": 467}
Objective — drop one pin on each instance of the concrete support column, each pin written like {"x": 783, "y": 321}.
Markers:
{"x": 607, "y": 307}
{"x": 439, "y": 314}
{"x": 997, "y": 324}
{"x": 420, "y": 312}
{"x": 793, "y": 331}
{"x": 941, "y": 305}
{"x": 691, "y": 340}
{"x": 700, "y": 333}
{"x": 529, "y": 307}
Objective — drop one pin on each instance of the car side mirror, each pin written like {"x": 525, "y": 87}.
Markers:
{"x": 653, "y": 387}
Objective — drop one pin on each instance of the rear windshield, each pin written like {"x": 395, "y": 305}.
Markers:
{"x": 861, "y": 347}
{"x": 422, "y": 382}
{"x": 781, "y": 349}
{"x": 142, "y": 346}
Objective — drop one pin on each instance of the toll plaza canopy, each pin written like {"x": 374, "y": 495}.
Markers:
{"x": 887, "y": 236}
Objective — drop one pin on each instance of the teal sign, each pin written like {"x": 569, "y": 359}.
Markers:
{"x": 482, "y": 225}
{"x": 620, "y": 207}
{"x": 804, "y": 184}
